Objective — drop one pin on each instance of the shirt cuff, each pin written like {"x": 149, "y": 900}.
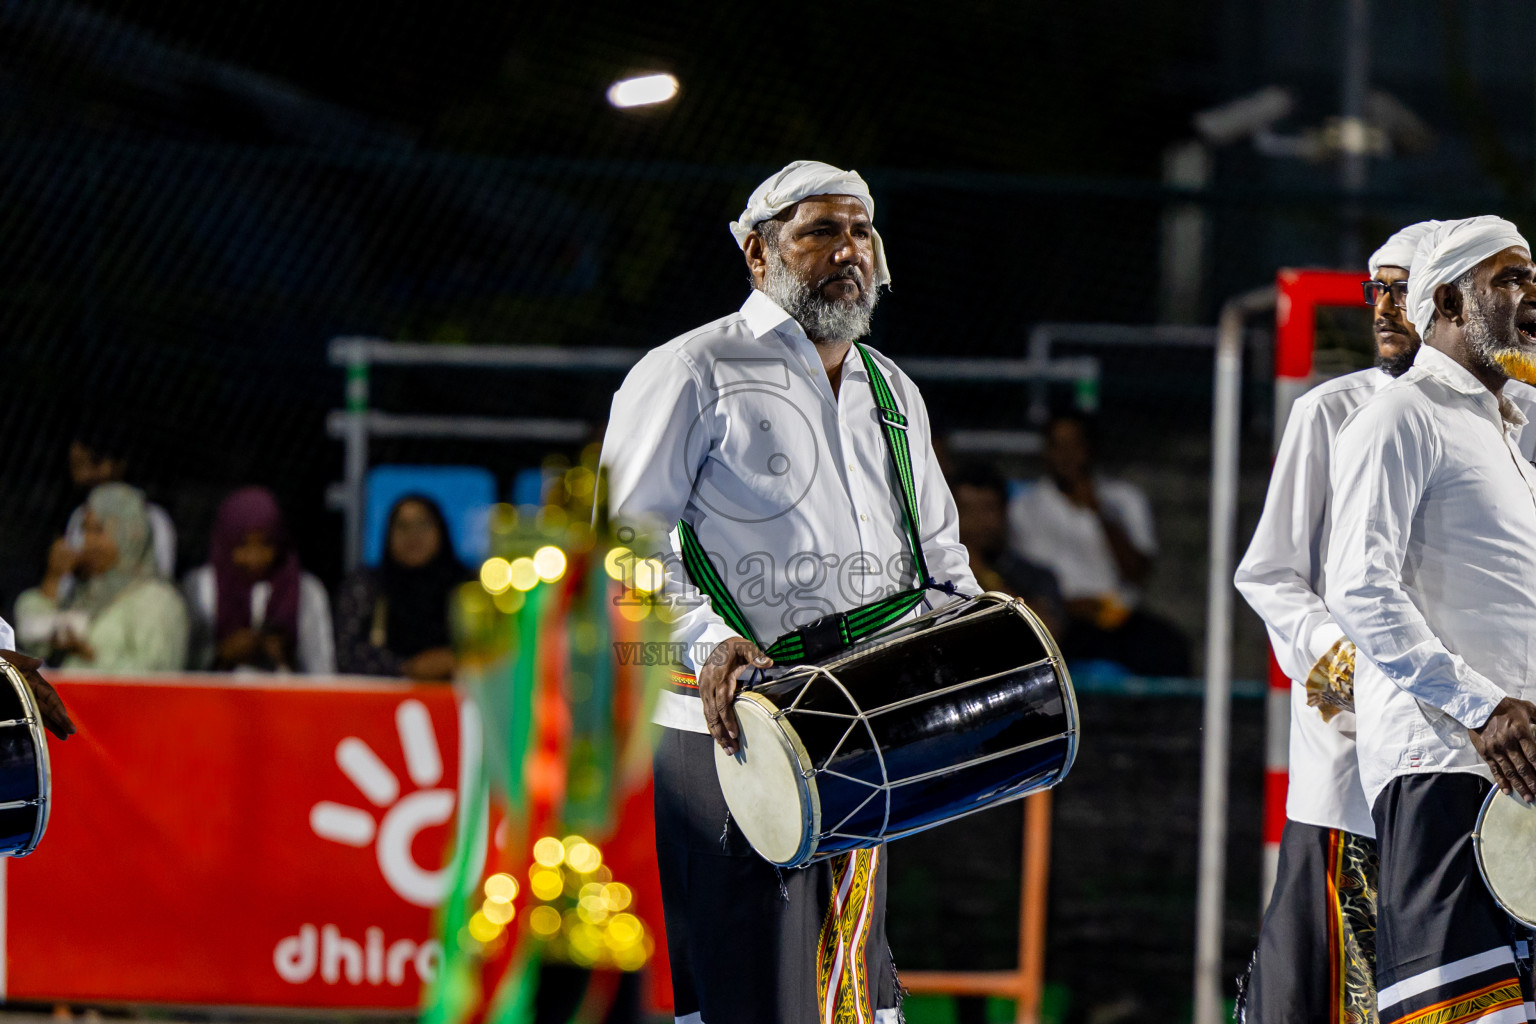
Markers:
{"x": 1475, "y": 699}
{"x": 705, "y": 643}
{"x": 1322, "y": 640}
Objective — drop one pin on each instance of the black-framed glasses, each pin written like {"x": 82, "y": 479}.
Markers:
{"x": 1373, "y": 290}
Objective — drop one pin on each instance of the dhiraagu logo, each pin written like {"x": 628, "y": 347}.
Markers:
{"x": 388, "y": 814}
{"x": 404, "y": 816}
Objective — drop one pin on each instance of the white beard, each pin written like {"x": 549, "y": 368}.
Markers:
{"x": 823, "y": 319}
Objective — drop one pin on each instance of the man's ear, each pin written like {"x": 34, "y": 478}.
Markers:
{"x": 756, "y": 256}
{"x": 1448, "y": 302}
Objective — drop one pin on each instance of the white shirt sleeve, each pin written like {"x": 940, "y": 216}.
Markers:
{"x": 1383, "y": 461}
{"x": 653, "y": 449}
{"x": 1277, "y": 573}
{"x": 7, "y": 636}
{"x": 163, "y": 532}
{"x": 1133, "y": 513}
{"x": 316, "y": 652}
{"x": 940, "y": 521}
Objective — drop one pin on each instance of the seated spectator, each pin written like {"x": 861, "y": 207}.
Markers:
{"x": 393, "y": 621}
{"x": 120, "y": 616}
{"x": 981, "y": 499}
{"x": 99, "y": 455}
{"x": 253, "y": 607}
{"x": 1095, "y": 534}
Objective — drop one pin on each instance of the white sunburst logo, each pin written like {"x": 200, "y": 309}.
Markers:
{"x": 404, "y": 816}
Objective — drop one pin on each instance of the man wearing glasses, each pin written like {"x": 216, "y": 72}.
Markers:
{"x": 1317, "y": 946}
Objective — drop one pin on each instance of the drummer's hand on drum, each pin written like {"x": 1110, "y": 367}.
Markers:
{"x": 48, "y": 703}
{"x": 1507, "y": 741}
{"x": 718, "y": 681}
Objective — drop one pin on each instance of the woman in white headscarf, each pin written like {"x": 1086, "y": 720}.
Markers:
{"x": 122, "y": 617}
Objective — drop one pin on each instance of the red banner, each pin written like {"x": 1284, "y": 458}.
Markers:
{"x": 272, "y": 843}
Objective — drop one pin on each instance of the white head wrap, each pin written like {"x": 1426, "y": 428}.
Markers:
{"x": 1449, "y": 251}
{"x": 801, "y": 180}
{"x": 1397, "y": 251}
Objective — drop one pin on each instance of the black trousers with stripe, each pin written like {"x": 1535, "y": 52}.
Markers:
{"x": 1445, "y": 952}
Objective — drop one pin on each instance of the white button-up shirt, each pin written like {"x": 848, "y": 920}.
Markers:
{"x": 1046, "y": 528}
{"x": 1281, "y": 576}
{"x": 1431, "y": 567}
{"x": 790, "y": 488}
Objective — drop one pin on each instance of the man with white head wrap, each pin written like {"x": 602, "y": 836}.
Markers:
{"x": 787, "y": 514}
{"x": 1316, "y": 947}
{"x": 1431, "y": 572}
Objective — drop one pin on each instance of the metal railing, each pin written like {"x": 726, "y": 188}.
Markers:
{"x": 358, "y": 424}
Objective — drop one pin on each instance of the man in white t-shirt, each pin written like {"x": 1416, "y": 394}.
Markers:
{"x": 1095, "y": 534}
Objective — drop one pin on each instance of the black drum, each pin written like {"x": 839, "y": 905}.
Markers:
{"x": 948, "y": 714}
{"x": 24, "y": 775}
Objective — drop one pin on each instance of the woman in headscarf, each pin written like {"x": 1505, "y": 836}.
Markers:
{"x": 121, "y": 617}
{"x": 393, "y": 621}
{"x": 253, "y": 606}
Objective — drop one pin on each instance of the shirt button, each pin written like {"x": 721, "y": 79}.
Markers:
{"x": 850, "y": 467}
{"x": 863, "y": 518}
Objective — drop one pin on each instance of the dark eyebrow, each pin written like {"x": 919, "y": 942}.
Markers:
{"x": 832, "y": 222}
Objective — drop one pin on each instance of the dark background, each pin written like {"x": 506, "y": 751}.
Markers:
{"x": 195, "y": 197}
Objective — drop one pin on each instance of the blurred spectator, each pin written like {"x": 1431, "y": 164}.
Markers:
{"x": 393, "y": 621}
{"x": 253, "y": 606}
{"x": 99, "y": 455}
{"x": 1095, "y": 534}
{"x": 120, "y": 616}
{"x": 981, "y": 499}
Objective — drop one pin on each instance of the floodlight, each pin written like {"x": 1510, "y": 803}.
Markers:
{"x": 643, "y": 91}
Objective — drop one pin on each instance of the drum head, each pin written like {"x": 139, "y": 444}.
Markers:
{"x": 1505, "y": 842}
{"x": 764, "y": 783}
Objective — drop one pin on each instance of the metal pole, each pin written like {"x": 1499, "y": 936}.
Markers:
{"x": 1225, "y": 425}
{"x": 1353, "y": 141}
{"x": 356, "y": 440}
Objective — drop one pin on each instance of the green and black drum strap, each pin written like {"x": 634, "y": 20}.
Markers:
{"x": 845, "y": 628}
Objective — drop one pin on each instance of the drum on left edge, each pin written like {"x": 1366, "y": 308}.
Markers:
{"x": 25, "y": 777}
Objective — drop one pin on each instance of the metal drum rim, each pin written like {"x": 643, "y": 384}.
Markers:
{"x": 1068, "y": 692}
{"x": 40, "y": 745}
{"x": 1477, "y": 850}
{"x": 809, "y": 796}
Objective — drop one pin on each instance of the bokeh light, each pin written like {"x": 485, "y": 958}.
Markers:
{"x": 523, "y": 574}
{"x": 549, "y": 563}
{"x": 617, "y": 896}
{"x": 498, "y": 913}
{"x": 496, "y": 575}
{"x": 544, "y": 921}
{"x": 546, "y": 883}
{"x": 501, "y": 888}
{"x": 549, "y": 852}
{"x": 650, "y": 575}
{"x": 617, "y": 562}
{"x": 584, "y": 857}
{"x": 482, "y": 928}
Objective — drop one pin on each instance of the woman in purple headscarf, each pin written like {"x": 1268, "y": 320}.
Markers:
{"x": 253, "y": 606}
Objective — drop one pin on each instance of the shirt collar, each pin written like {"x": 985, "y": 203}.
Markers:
{"x": 1447, "y": 370}
{"x": 764, "y": 316}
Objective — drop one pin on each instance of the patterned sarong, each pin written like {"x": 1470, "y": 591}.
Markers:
{"x": 842, "y": 961}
